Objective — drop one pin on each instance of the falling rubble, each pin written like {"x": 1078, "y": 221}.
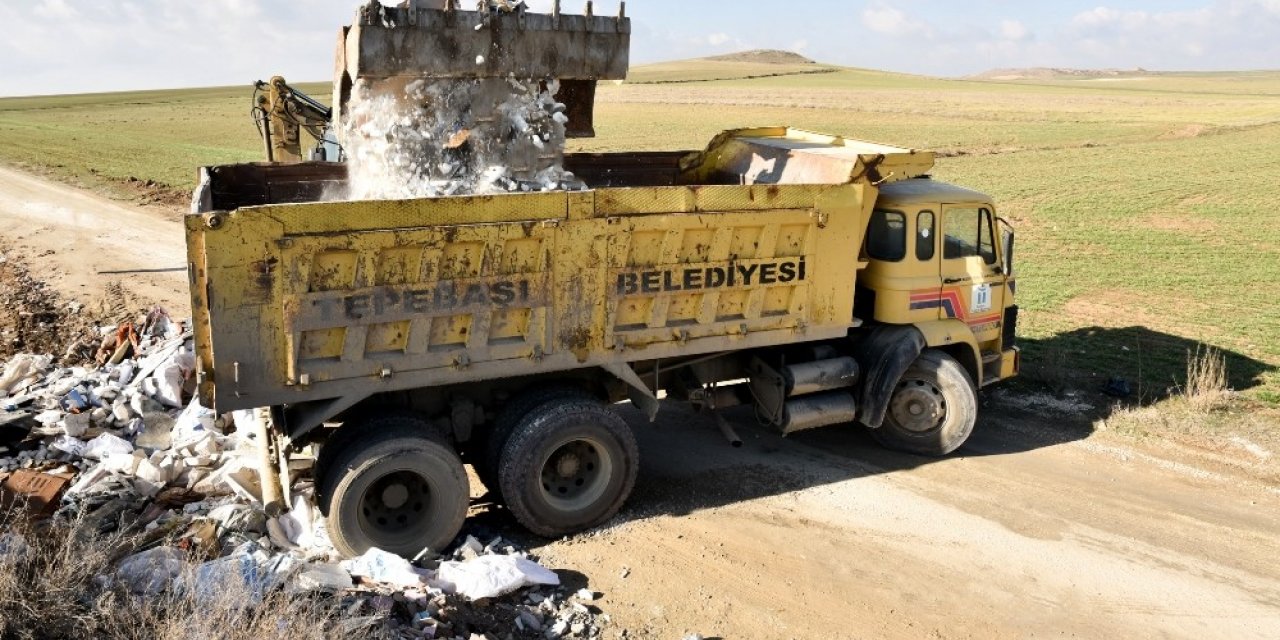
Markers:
{"x": 120, "y": 447}
{"x": 437, "y": 138}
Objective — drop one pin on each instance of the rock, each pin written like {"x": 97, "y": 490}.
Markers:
{"x": 157, "y": 432}
{"x": 585, "y": 594}
{"x": 240, "y": 518}
{"x": 123, "y": 373}
{"x": 100, "y": 416}
{"x": 530, "y": 621}
{"x": 75, "y": 424}
{"x": 49, "y": 417}
{"x": 471, "y": 548}
{"x": 142, "y": 405}
{"x": 121, "y": 411}
{"x": 327, "y": 577}
{"x": 151, "y": 572}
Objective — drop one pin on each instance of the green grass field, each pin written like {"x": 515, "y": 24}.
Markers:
{"x": 1147, "y": 208}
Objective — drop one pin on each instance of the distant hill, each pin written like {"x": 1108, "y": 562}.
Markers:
{"x": 764, "y": 56}
{"x": 1054, "y": 73}
{"x": 760, "y": 63}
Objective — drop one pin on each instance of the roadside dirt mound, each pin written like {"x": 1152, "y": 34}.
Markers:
{"x": 1182, "y": 133}
{"x": 764, "y": 56}
{"x": 35, "y": 319}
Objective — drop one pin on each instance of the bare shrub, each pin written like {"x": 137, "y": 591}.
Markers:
{"x": 1206, "y": 387}
{"x": 57, "y": 581}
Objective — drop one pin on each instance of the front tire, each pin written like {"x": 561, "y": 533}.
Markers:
{"x": 933, "y": 409}
{"x": 399, "y": 487}
{"x": 568, "y": 466}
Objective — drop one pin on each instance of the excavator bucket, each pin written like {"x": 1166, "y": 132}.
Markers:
{"x": 436, "y": 40}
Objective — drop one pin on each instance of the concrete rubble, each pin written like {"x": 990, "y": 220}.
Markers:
{"x": 432, "y": 138}
{"x": 122, "y": 447}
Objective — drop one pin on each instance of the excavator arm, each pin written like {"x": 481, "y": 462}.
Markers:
{"x": 282, "y": 113}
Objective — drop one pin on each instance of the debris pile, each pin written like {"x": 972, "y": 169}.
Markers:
{"x": 436, "y": 138}
{"x": 122, "y": 447}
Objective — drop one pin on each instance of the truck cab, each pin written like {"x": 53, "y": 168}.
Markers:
{"x": 940, "y": 259}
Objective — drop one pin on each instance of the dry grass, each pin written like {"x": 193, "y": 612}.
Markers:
{"x": 61, "y": 585}
{"x": 1206, "y": 388}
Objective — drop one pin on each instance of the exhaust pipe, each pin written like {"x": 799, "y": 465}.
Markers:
{"x": 728, "y": 432}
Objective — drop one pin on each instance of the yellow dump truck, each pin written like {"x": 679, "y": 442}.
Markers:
{"x": 823, "y": 280}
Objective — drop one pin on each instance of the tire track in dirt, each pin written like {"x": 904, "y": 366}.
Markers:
{"x": 80, "y": 243}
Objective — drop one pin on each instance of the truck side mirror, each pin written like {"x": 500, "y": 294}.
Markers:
{"x": 1007, "y": 237}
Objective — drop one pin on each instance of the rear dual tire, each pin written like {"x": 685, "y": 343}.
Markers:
{"x": 489, "y": 460}
{"x": 568, "y": 466}
{"x": 392, "y": 483}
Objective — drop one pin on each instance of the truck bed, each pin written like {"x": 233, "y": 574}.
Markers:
{"x": 750, "y": 243}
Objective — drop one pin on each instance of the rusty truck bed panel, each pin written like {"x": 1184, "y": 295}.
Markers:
{"x": 303, "y": 302}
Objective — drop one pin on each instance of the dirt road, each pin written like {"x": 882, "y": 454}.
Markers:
{"x": 1039, "y": 528}
{"x": 1031, "y": 532}
{"x": 80, "y": 242}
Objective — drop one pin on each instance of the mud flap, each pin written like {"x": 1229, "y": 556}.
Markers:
{"x": 884, "y": 355}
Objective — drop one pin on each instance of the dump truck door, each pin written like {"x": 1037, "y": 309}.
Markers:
{"x": 972, "y": 288}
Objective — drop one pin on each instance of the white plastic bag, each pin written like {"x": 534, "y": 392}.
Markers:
{"x": 68, "y": 444}
{"x": 381, "y": 566}
{"x": 493, "y": 576}
{"x": 106, "y": 444}
{"x": 194, "y": 424}
{"x": 21, "y": 367}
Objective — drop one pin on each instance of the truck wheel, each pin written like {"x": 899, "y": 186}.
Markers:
{"x": 933, "y": 408}
{"x": 568, "y": 466}
{"x": 399, "y": 488}
{"x": 359, "y": 428}
{"x": 490, "y": 459}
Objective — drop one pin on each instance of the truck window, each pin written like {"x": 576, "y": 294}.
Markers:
{"x": 986, "y": 237}
{"x": 925, "y": 236}
{"x": 887, "y": 236}
{"x": 968, "y": 234}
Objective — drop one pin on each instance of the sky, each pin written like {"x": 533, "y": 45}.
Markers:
{"x": 77, "y": 46}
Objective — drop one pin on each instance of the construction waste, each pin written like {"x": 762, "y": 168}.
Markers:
{"x": 120, "y": 446}
{"x": 436, "y": 138}
{"x": 433, "y": 137}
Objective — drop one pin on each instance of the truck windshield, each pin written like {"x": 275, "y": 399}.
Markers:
{"x": 887, "y": 236}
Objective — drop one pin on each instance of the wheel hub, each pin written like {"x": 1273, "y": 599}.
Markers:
{"x": 918, "y": 406}
{"x": 576, "y": 474}
{"x": 394, "y": 496}
{"x": 393, "y": 506}
{"x": 568, "y": 465}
